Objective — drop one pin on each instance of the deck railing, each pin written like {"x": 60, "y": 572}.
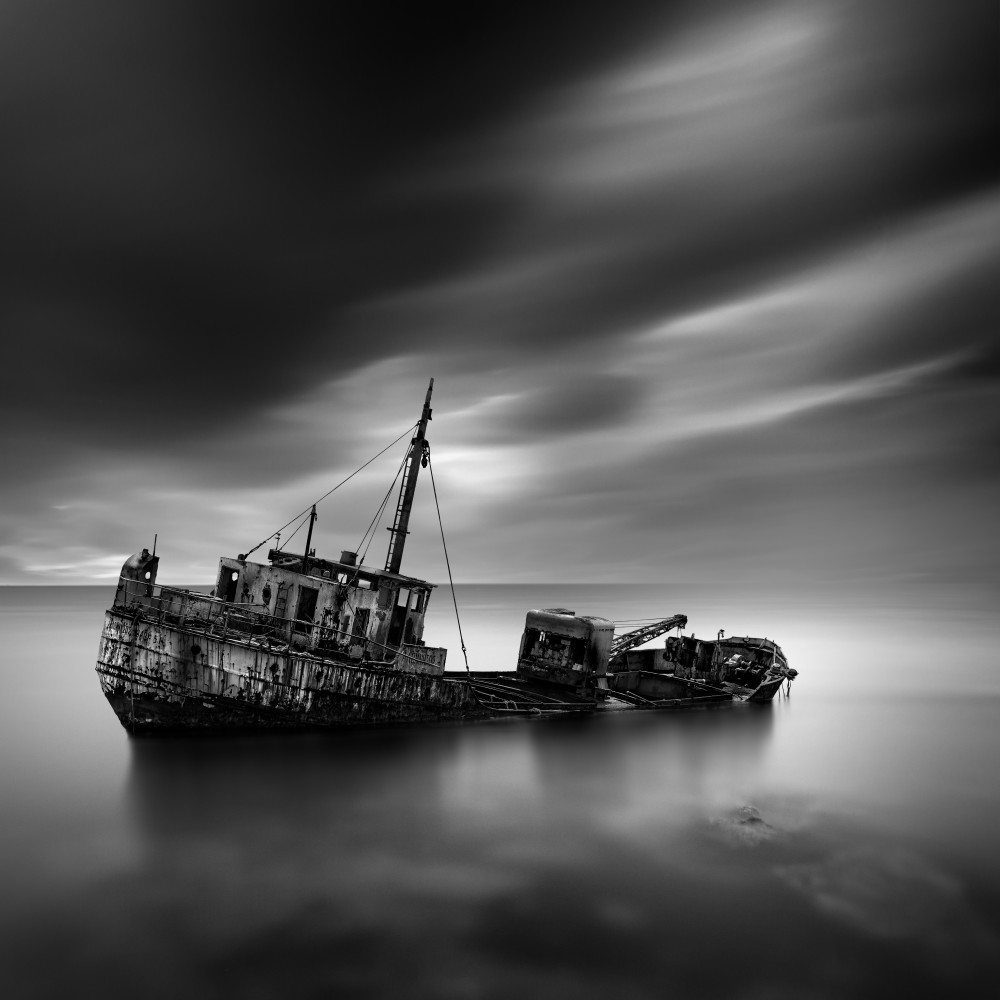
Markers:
{"x": 220, "y": 619}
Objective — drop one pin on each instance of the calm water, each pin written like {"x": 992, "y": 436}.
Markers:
{"x": 844, "y": 842}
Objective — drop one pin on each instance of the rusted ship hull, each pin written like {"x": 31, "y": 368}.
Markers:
{"x": 159, "y": 678}
{"x": 744, "y": 669}
{"x": 176, "y": 661}
{"x": 766, "y": 690}
{"x": 647, "y": 688}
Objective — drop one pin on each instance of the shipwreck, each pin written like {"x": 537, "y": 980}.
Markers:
{"x": 303, "y": 642}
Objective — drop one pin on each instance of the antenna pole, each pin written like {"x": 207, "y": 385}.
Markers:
{"x": 414, "y": 459}
{"x": 309, "y": 538}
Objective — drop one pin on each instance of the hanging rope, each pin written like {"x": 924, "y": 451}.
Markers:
{"x": 308, "y": 509}
{"x": 447, "y": 562}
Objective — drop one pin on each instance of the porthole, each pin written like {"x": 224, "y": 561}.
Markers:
{"x": 148, "y": 574}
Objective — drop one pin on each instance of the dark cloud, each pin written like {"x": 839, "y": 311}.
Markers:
{"x": 566, "y": 402}
{"x": 238, "y": 238}
{"x": 198, "y": 185}
{"x": 205, "y": 189}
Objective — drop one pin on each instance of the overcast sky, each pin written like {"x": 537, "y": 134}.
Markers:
{"x": 709, "y": 289}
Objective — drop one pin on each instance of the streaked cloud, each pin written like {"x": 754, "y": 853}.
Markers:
{"x": 80, "y": 565}
{"x": 715, "y": 281}
{"x": 792, "y": 403}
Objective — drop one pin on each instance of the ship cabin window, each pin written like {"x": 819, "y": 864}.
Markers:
{"x": 361, "y": 622}
{"x": 306, "y": 608}
{"x": 531, "y": 637}
{"x": 553, "y": 648}
{"x": 403, "y": 597}
{"x": 418, "y": 601}
{"x": 228, "y": 580}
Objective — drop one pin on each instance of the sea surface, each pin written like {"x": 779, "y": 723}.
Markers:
{"x": 842, "y": 842}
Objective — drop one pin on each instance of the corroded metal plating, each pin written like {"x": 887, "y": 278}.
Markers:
{"x": 158, "y": 676}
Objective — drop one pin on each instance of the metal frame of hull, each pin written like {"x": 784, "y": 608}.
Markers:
{"x": 162, "y": 678}
{"x": 156, "y": 683}
{"x": 767, "y": 689}
{"x": 145, "y": 716}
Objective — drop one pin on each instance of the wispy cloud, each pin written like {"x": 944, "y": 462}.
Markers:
{"x": 792, "y": 403}
{"x": 715, "y": 278}
{"x": 78, "y": 565}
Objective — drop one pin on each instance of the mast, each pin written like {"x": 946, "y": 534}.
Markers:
{"x": 414, "y": 459}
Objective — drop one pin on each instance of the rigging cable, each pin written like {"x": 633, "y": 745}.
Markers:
{"x": 291, "y": 536}
{"x": 447, "y": 561}
{"x": 371, "y": 527}
{"x": 638, "y": 621}
{"x": 378, "y": 514}
{"x": 337, "y": 487}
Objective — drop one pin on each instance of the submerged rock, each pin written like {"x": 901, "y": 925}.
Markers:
{"x": 744, "y": 827}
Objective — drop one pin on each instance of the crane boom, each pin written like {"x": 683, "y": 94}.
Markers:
{"x": 637, "y": 637}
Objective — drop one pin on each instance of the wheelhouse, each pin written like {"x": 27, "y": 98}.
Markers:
{"x": 332, "y": 606}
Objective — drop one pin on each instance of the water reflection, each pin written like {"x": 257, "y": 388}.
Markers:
{"x": 839, "y": 843}
{"x": 451, "y": 779}
{"x": 416, "y": 842}
{"x": 580, "y": 858}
